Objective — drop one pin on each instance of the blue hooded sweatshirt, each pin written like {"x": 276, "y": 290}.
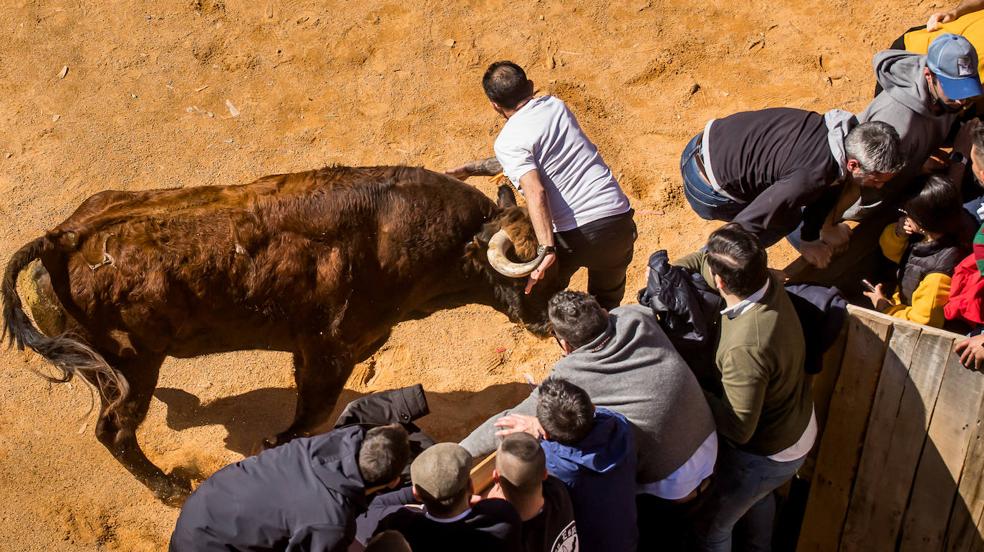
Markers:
{"x": 600, "y": 473}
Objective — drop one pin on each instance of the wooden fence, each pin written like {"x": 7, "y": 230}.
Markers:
{"x": 900, "y": 459}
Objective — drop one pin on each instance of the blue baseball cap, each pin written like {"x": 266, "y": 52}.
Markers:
{"x": 953, "y": 59}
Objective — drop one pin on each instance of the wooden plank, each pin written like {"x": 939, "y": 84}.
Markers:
{"x": 867, "y": 339}
{"x": 825, "y": 382}
{"x": 481, "y": 474}
{"x": 910, "y": 382}
{"x": 943, "y": 454}
{"x": 964, "y": 532}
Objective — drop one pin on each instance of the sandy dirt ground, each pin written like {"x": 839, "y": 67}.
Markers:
{"x": 145, "y": 103}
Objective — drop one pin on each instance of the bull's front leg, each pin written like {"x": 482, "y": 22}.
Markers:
{"x": 320, "y": 372}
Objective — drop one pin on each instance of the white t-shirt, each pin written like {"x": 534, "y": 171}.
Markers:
{"x": 544, "y": 135}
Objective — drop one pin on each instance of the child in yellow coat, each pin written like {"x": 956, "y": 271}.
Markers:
{"x": 930, "y": 238}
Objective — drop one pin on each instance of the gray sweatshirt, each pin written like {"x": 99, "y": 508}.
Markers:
{"x": 634, "y": 370}
{"x": 905, "y": 104}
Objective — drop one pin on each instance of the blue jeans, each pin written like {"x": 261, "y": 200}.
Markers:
{"x": 703, "y": 199}
{"x": 742, "y": 489}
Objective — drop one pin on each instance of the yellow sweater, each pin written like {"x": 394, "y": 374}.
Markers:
{"x": 931, "y": 294}
{"x": 970, "y": 26}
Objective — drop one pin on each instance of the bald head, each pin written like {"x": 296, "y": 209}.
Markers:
{"x": 521, "y": 465}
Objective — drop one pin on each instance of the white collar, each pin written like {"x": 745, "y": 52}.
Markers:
{"x": 746, "y": 303}
{"x": 458, "y": 517}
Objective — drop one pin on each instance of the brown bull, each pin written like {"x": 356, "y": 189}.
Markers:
{"x": 320, "y": 263}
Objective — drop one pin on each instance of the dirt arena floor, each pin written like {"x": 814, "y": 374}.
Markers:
{"x": 147, "y": 102}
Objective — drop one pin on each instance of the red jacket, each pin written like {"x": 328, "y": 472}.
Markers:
{"x": 966, "y": 293}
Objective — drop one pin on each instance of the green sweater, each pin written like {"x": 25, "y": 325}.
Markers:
{"x": 766, "y": 404}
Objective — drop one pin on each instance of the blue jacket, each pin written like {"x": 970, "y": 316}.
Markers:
{"x": 600, "y": 473}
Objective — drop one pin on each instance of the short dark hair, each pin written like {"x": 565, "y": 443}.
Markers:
{"x": 737, "y": 256}
{"x": 576, "y": 317}
{"x": 522, "y": 452}
{"x": 937, "y": 207}
{"x": 565, "y": 411}
{"x": 383, "y": 454}
{"x": 505, "y": 83}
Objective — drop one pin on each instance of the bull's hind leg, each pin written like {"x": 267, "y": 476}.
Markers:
{"x": 320, "y": 372}
{"x": 117, "y": 428}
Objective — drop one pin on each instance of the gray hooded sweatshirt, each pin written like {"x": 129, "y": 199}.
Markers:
{"x": 634, "y": 370}
{"x": 905, "y": 104}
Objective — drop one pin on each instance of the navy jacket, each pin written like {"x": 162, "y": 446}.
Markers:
{"x": 600, "y": 474}
{"x": 303, "y": 495}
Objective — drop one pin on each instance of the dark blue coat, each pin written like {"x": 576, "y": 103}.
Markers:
{"x": 600, "y": 474}
{"x": 303, "y": 495}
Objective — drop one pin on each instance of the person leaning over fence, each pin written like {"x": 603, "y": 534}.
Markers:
{"x": 627, "y": 364}
{"x": 777, "y": 169}
{"x": 302, "y": 495}
{"x": 765, "y": 413}
{"x": 448, "y": 520}
{"x": 971, "y": 350}
{"x": 931, "y": 236}
{"x": 580, "y": 214}
{"x": 592, "y": 450}
{"x": 541, "y": 500}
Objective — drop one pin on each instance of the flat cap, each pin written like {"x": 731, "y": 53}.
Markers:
{"x": 441, "y": 471}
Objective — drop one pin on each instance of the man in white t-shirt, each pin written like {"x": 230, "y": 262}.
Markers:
{"x": 580, "y": 215}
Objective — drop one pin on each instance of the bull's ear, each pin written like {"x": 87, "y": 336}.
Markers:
{"x": 506, "y": 196}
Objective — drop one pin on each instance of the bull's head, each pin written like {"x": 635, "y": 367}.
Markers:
{"x": 506, "y": 237}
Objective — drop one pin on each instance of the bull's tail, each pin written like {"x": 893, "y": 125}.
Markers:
{"x": 65, "y": 352}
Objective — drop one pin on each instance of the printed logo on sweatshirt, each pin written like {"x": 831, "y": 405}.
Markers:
{"x": 566, "y": 540}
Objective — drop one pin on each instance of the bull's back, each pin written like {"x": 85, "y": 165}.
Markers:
{"x": 269, "y": 259}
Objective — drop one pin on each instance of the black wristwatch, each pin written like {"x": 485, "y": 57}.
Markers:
{"x": 544, "y": 249}
{"x": 957, "y": 157}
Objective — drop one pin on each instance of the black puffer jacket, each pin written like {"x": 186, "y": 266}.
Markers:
{"x": 688, "y": 311}
{"x": 923, "y": 258}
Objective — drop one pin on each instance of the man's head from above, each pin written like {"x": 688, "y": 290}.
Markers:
{"x": 506, "y": 86}
{"x": 565, "y": 412}
{"x": 441, "y": 479}
{"x": 576, "y": 318}
{"x": 951, "y": 72}
{"x": 383, "y": 455}
{"x": 737, "y": 260}
{"x": 874, "y": 153}
{"x": 520, "y": 468}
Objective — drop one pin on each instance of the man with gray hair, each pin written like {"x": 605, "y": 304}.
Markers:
{"x": 774, "y": 170}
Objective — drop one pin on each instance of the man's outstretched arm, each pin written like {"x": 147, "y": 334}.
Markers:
{"x": 480, "y": 167}
{"x": 962, "y": 9}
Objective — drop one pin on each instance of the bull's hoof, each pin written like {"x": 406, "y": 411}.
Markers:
{"x": 272, "y": 442}
{"x": 174, "y": 492}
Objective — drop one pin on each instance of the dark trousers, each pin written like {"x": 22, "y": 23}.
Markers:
{"x": 665, "y": 525}
{"x": 604, "y": 247}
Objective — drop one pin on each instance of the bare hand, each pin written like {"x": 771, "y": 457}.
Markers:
{"x": 877, "y": 298}
{"x": 461, "y": 172}
{"x": 971, "y": 352}
{"x": 837, "y": 236}
{"x": 938, "y": 18}
{"x": 540, "y": 272}
{"x": 519, "y": 423}
{"x": 817, "y": 253}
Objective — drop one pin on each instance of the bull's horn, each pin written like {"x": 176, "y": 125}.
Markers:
{"x": 502, "y": 265}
